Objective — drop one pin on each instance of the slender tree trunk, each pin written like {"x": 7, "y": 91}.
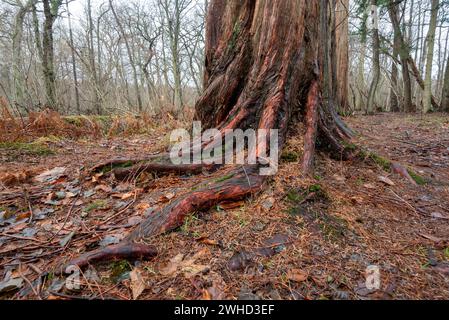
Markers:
{"x": 427, "y": 99}
{"x": 75, "y": 74}
{"x": 342, "y": 54}
{"x": 376, "y": 58}
{"x": 92, "y": 63}
{"x": 130, "y": 57}
{"x": 404, "y": 56}
{"x": 17, "y": 73}
{"x": 445, "y": 95}
{"x": 50, "y": 13}
{"x": 394, "y": 98}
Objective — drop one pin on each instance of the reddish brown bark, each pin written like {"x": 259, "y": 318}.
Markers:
{"x": 121, "y": 251}
{"x": 311, "y": 121}
{"x": 263, "y": 63}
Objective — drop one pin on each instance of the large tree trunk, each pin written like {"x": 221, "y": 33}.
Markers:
{"x": 263, "y": 64}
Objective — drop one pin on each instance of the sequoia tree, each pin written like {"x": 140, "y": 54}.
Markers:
{"x": 264, "y": 69}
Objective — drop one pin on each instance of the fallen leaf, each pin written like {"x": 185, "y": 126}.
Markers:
{"x": 431, "y": 238}
{"x": 339, "y": 178}
{"x": 143, "y": 206}
{"x": 66, "y": 239}
{"x": 187, "y": 266}
{"x": 370, "y": 186}
{"x": 173, "y": 265}
{"x": 133, "y": 221}
{"x": 385, "y": 180}
{"x": 137, "y": 283}
{"x": 11, "y": 179}
{"x": 51, "y": 175}
{"x": 206, "y": 240}
{"x": 169, "y": 195}
{"x": 240, "y": 260}
{"x": 267, "y": 204}
{"x": 104, "y": 188}
{"x": 11, "y": 284}
{"x": 438, "y": 215}
{"x": 96, "y": 177}
{"x": 297, "y": 275}
{"x": 108, "y": 240}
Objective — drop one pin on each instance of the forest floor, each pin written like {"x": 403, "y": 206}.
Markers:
{"x": 298, "y": 239}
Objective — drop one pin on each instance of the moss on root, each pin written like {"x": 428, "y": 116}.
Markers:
{"x": 385, "y": 164}
{"x": 421, "y": 181}
{"x": 124, "y": 165}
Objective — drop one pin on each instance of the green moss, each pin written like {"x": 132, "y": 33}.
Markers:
{"x": 315, "y": 188}
{"x": 235, "y": 36}
{"x": 294, "y": 211}
{"x": 119, "y": 268}
{"x": 37, "y": 149}
{"x": 294, "y": 196}
{"x": 77, "y": 121}
{"x": 384, "y": 163}
{"x": 350, "y": 146}
{"x": 99, "y": 204}
{"x": 123, "y": 165}
{"x": 47, "y": 139}
{"x": 333, "y": 228}
{"x": 418, "y": 179}
{"x": 289, "y": 156}
{"x": 380, "y": 161}
{"x": 224, "y": 178}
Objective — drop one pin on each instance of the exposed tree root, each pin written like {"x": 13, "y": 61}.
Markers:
{"x": 122, "y": 251}
{"x": 402, "y": 171}
{"x": 244, "y": 181}
{"x": 241, "y": 183}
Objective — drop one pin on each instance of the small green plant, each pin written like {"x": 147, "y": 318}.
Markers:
{"x": 99, "y": 204}
{"x": 241, "y": 220}
{"x": 118, "y": 268}
{"x": 315, "y": 188}
{"x": 446, "y": 253}
{"x": 289, "y": 156}
{"x": 188, "y": 222}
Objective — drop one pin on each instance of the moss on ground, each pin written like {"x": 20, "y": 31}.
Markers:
{"x": 289, "y": 156}
{"x": 34, "y": 148}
